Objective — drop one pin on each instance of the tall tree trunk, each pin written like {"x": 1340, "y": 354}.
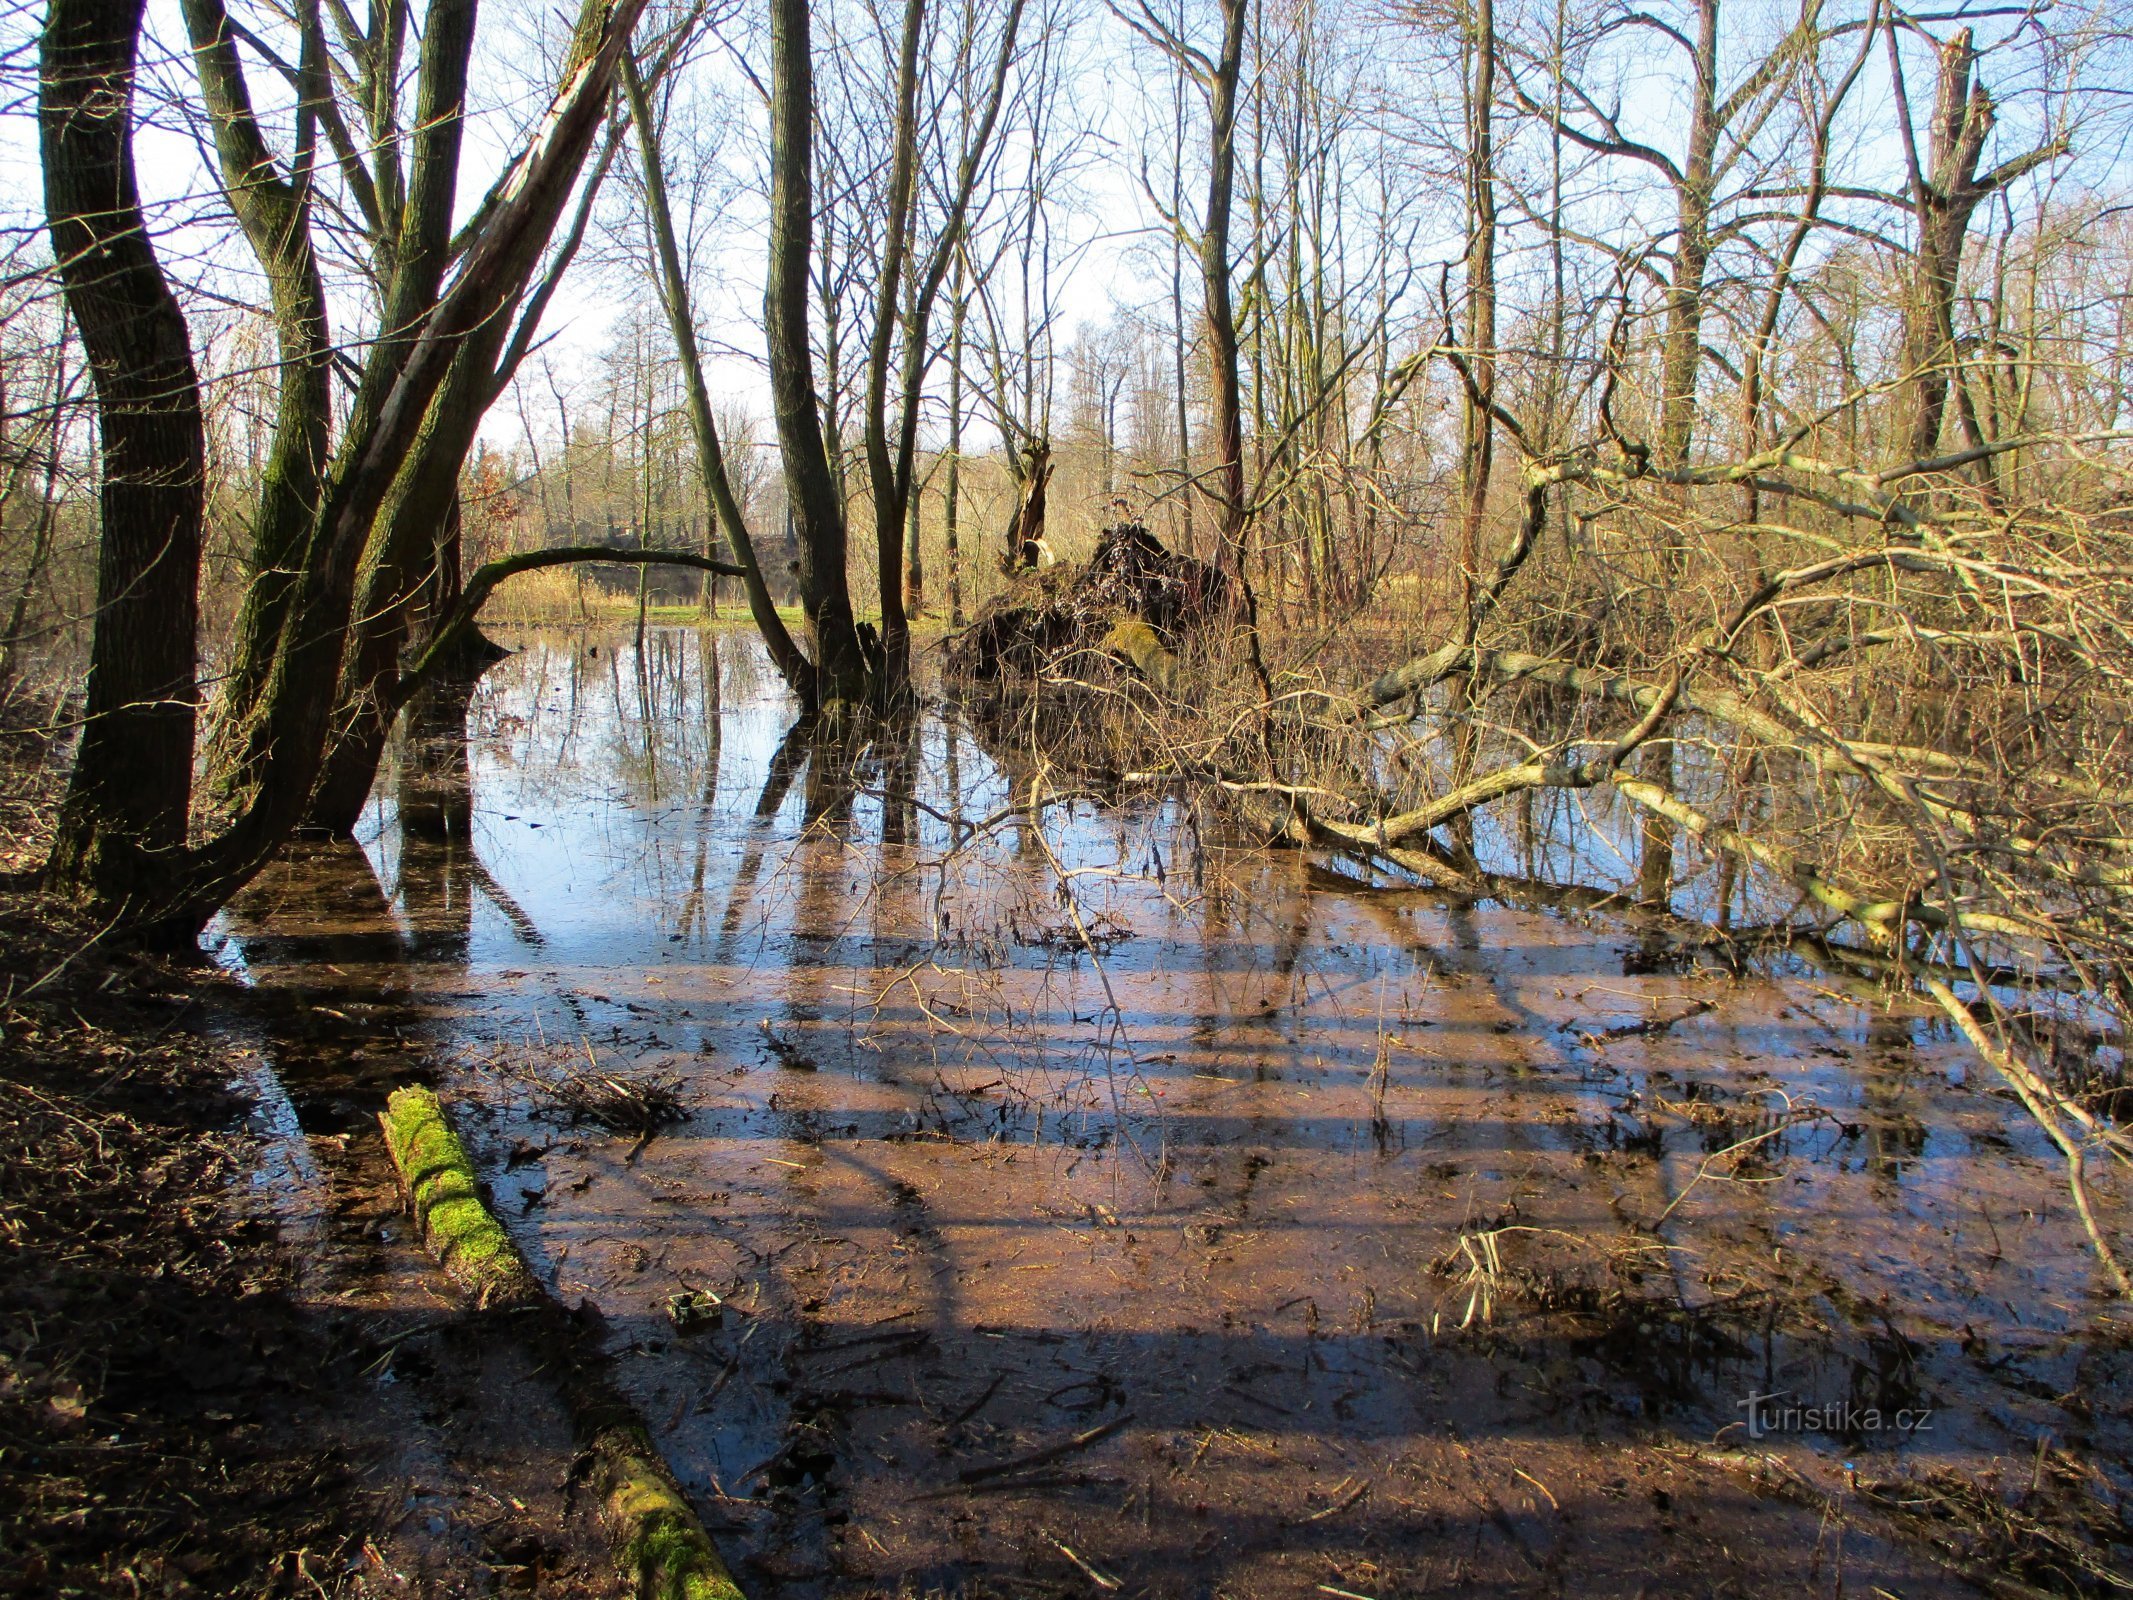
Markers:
{"x": 1681, "y": 359}
{"x": 1755, "y": 362}
{"x": 1477, "y": 457}
{"x": 1180, "y": 378}
{"x": 122, "y": 825}
{"x": 1946, "y": 189}
{"x": 905, "y": 314}
{"x": 1478, "y": 452}
{"x": 888, "y": 470}
{"x": 1232, "y": 550}
{"x": 952, "y": 492}
{"x": 409, "y": 570}
{"x": 1222, "y": 353}
{"x": 842, "y": 670}
{"x": 1680, "y": 367}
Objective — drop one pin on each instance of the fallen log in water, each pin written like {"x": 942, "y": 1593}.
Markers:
{"x": 444, "y": 1198}
{"x": 659, "y": 1542}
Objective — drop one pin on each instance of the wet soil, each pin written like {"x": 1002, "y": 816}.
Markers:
{"x": 1096, "y": 1202}
{"x": 222, "y": 1369}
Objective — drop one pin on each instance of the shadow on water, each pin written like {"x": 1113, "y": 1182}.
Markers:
{"x": 1096, "y": 1199}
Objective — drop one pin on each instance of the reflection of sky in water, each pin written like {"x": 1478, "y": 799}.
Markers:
{"x": 614, "y": 803}
{"x": 1272, "y": 1092}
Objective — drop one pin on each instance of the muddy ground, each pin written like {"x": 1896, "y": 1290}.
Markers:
{"x": 202, "y": 1392}
{"x": 1105, "y": 1206}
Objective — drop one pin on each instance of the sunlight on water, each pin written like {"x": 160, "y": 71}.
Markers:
{"x": 1133, "y": 1123}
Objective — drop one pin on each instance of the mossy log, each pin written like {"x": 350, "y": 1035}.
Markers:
{"x": 662, "y": 1547}
{"x": 659, "y": 1542}
{"x": 445, "y": 1199}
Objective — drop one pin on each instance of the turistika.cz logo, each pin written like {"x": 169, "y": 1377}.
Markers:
{"x": 1786, "y": 1413}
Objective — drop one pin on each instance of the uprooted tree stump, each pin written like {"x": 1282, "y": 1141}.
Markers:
{"x": 1134, "y": 601}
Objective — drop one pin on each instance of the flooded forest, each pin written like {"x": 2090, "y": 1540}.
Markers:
{"x": 1208, "y": 799}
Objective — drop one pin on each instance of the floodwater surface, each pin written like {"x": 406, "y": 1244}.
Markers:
{"x": 1069, "y": 1198}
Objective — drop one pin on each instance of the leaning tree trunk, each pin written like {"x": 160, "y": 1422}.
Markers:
{"x": 297, "y": 708}
{"x": 259, "y": 703}
{"x": 717, "y": 483}
{"x": 122, "y": 826}
{"x": 274, "y": 212}
{"x": 396, "y": 568}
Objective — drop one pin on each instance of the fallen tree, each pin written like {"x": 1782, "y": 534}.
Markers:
{"x": 1904, "y": 717}
{"x": 659, "y": 1542}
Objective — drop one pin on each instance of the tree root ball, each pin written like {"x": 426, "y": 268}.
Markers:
{"x": 1134, "y": 600}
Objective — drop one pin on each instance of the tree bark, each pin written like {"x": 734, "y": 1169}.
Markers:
{"x": 414, "y": 244}
{"x": 1946, "y": 190}
{"x": 396, "y": 566}
{"x": 842, "y": 671}
{"x": 1025, "y": 529}
{"x": 274, "y": 212}
{"x": 1222, "y": 351}
{"x": 888, "y": 470}
{"x": 959, "y": 309}
{"x": 122, "y": 825}
{"x": 289, "y": 734}
{"x": 1478, "y": 453}
{"x": 1681, "y": 360}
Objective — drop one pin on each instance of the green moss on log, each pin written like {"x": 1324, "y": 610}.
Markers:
{"x": 664, "y": 1551}
{"x": 659, "y": 1542}
{"x": 445, "y": 1198}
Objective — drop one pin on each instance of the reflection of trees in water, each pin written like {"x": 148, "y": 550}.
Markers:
{"x": 785, "y": 766}
{"x": 436, "y": 811}
{"x": 694, "y": 915}
{"x": 1888, "y": 1094}
{"x": 440, "y": 872}
{"x": 434, "y": 785}
{"x": 664, "y": 698}
{"x": 318, "y": 920}
{"x": 334, "y": 985}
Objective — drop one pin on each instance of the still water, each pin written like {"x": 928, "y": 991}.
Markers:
{"x": 1092, "y": 1199}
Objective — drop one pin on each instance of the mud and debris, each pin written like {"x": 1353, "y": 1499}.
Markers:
{"x": 1098, "y": 1202}
{"x": 224, "y": 1368}
{"x": 1132, "y": 1205}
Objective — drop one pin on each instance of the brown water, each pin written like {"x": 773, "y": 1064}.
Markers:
{"x": 1100, "y": 1203}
